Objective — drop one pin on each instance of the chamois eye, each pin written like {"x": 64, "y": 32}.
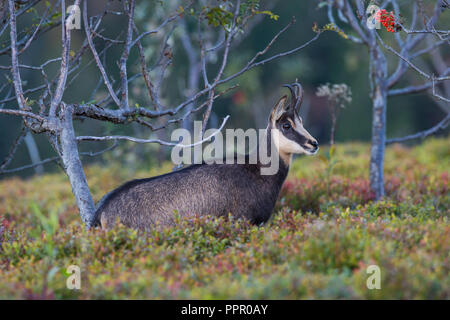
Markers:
{"x": 286, "y": 126}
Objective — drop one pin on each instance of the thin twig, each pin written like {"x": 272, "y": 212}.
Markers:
{"x": 159, "y": 141}
{"x": 13, "y": 149}
{"x": 420, "y": 135}
{"x": 96, "y": 57}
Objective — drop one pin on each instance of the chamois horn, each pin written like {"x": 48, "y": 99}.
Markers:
{"x": 297, "y": 95}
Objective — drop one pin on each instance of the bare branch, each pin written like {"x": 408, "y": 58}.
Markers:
{"x": 347, "y": 10}
{"x": 253, "y": 64}
{"x": 437, "y": 95}
{"x": 24, "y": 114}
{"x": 14, "y": 58}
{"x": 182, "y": 118}
{"x": 30, "y": 166}
{"x": 32, "y": 37}
{"x": 411, "y": 43}
{"x": 333, "y": 21}
{"x": 57, "y": 97}
{"x": 125, "y": 54}
{"x": 22, "y": 42}
{"x": 427, "y": 49}
{"x": 144, "y": 70}
{"x": 161, "y": 142}
{"x": 13, "y": 149}
{"x": 96, "y": 57}
{"x": 413, "y": 66}
{"x": 55, "y": 159}
{"x": 138, "y": 38}
{"x": 414, "y": 89}
{"x": 423, "y": 134}
{"x": 231, "y": 34}
{"x": 410, "y": 89}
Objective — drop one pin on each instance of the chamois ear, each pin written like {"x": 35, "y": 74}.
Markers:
{"x": 279, "y": 109}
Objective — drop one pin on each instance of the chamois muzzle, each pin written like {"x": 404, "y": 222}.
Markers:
{"x": 311, "y": 146}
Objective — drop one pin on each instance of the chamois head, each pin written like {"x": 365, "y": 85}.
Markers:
{"x": 290, "y": 137}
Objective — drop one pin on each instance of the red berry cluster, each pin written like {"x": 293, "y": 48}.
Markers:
{"x": 387, "y": 19}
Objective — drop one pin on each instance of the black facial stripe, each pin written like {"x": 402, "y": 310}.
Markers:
{"x": 297, "y": 137}
{"x": 293, "y": 135}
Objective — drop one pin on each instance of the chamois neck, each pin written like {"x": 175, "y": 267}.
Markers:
{"x": 284, "y": 160}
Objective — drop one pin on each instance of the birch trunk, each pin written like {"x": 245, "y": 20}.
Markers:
{"x": 74, "y": 168}
{"x": 379, "y": 99}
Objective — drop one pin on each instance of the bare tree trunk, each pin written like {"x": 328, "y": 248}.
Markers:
{"x": 74, "y": 169}
{"x": 379, "y": 98}
{"x": 34, "y": 153}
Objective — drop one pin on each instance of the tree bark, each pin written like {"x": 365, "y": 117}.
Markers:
{"x": 379, "y": 99}
{"x": 74, "y": 168}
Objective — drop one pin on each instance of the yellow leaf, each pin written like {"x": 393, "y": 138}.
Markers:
{"x": 332, "y": 151}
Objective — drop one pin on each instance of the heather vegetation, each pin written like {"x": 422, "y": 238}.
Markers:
{"x": 325, "y": 231}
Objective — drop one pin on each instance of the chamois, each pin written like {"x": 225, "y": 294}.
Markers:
{"x": 214, "y": 189}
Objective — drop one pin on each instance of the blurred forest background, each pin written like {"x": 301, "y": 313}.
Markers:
{"x": 331, "y": 59}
